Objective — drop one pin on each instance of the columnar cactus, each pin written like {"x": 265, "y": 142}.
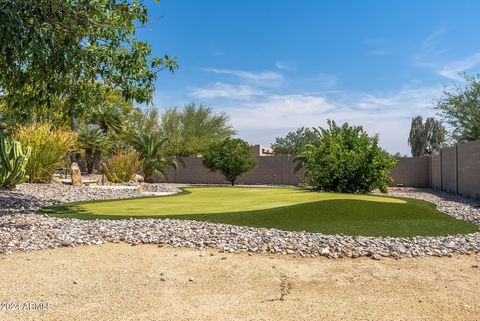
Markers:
{"x": 12, "y": 163}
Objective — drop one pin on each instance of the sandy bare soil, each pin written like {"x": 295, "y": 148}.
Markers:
{"x": 122, "y": 282}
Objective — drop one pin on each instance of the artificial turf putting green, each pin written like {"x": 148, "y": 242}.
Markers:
{"x": 282, "y": 208}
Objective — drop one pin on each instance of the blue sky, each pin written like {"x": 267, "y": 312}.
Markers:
{"x": 276, "y": 65}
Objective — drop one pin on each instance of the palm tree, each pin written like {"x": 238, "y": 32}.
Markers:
{"x": 93, "y": 140}
{"x": 151, "y": 146}
{"x": 109, "y": 117}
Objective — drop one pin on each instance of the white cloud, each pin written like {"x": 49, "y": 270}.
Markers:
{"x": 432, "y": 56}
{"x": 247, "y": 75}
{"x": 221, "y": 90}
{"x": 286, "y": 65}
{"x": 260, "y": 113}
{"x": 388, "y": 114}
{"x": 453, "y": 69}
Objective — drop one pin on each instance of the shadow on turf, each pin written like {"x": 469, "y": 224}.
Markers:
{"x": 348, "y": 217}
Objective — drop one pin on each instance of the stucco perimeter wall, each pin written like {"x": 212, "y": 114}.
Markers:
{"x": 412, "y": 172}
{"x": 469, "y": 169}
{"x": 269, "y": 170}
{"x": 436, "y": 172}
{"x": 449, "y": 170}
{"x": 454, "y": 170}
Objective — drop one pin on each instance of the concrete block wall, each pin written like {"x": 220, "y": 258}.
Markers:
{"x": 411, "y": 171}
{"x": 435, "y": 172}
{"x": 269, "y": 170}
{"x": 469, "y": 169}
{"x": 454, "y": 170}
{"x": 448, "y": 157}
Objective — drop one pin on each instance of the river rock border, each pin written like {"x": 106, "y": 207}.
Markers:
{"x": 20, "y": 230}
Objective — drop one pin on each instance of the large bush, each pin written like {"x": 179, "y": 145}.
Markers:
{"x": 231, "y": 157}
{"x": 122, "y": 166}
{"x": 345, "y": 159}
{"x": 49, "y": 149}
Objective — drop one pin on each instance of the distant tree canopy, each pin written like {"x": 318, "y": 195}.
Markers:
{"x": 56, "y": 55}
{"x": 460, "y": 108}
{"x": 426, "y": 138}
{"x": 293, "y": 143}
{"x": 191, "y": 129}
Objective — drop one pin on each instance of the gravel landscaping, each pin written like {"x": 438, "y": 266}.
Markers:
{"x": 21, "y": 230}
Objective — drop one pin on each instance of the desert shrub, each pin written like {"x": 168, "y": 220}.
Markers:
{"x": 345, "y": 159}
{"x": 231, "y": 157}
{"x": 122, "y": 166}
{"x": 50, "y": 147}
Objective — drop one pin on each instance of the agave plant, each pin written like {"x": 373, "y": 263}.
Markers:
{"x": 92, "y": 140}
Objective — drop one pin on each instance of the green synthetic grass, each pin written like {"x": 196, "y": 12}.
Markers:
{"x": 282, "y": 208}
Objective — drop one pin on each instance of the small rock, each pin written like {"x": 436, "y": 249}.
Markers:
{"x": 376, "y": 257}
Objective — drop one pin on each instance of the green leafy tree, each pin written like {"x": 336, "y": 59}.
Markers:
{"x": 293, "y": 143}
{"x": 93, "y": 141}
{"x": 193, "y": 128}
{"x": 231, "y": 157}
{"x": 426, "y": 138}
{"x": 145, "y": 135}
{"x": 55, "y": 54}
{"x": 460, "y": 108}
{"x": 143, "y": 121}
{"x": 345, "y": 159}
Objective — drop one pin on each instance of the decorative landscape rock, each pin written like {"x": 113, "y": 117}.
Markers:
{"x": 76, "y": 175}
{"x": 20, "y": 230}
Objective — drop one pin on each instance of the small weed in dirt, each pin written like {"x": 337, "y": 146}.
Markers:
{"x": 285, "y": 286}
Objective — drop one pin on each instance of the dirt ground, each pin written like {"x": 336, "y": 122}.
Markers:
{"x": 122, "y": 282}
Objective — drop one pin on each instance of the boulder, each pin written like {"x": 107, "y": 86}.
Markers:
{"x": 138, "y": 178}
{"x": 76, "y": 175}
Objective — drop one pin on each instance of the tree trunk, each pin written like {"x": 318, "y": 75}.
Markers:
{"x": 89, "y": 160}
{"x": 97, "y": 158}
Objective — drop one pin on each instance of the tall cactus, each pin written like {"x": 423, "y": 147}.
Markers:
{"x": 12, "y": 163}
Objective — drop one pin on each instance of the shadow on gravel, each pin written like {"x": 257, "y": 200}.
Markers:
{"x": 13, "y": 202}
